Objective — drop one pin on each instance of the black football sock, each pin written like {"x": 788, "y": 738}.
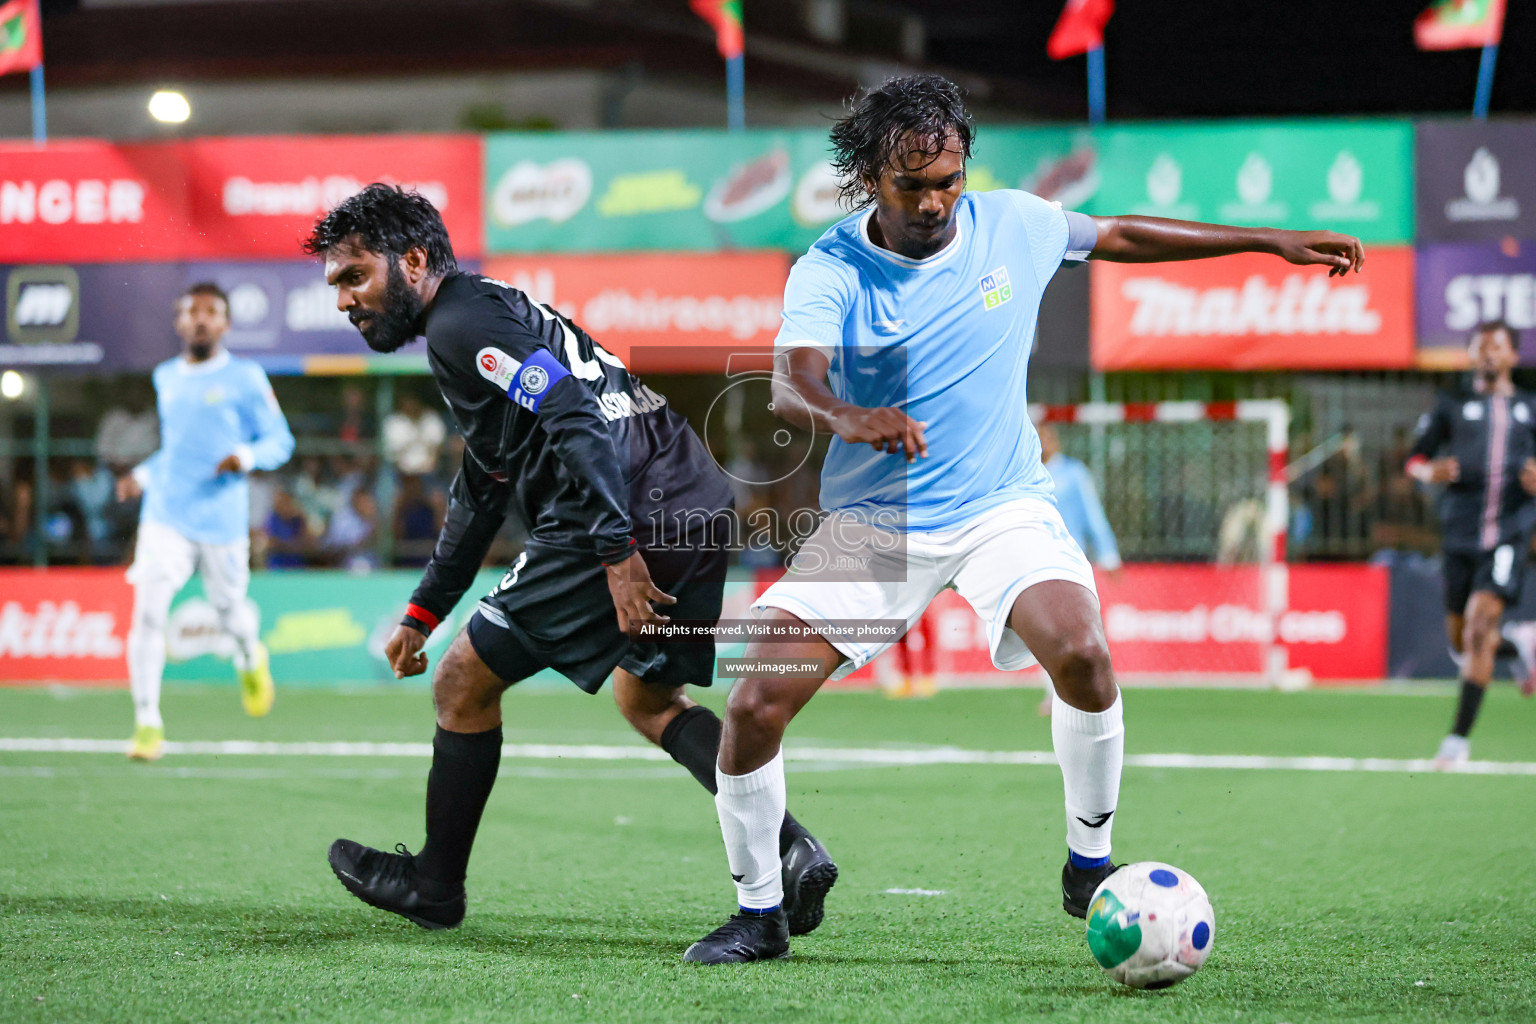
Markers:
{"x": 692, "y": 739}
{"x": 464, "y": 768}
{"x": 1467, "y": 707}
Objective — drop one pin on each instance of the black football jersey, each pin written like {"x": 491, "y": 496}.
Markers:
{"x": 1490, "y": 437}
{"x": 557, "y": 426}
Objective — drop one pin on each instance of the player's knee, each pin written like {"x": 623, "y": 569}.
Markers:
{"x": 1481, "y": 631}
{"x": 461, "y": 695}
{"x": 754, "y": 708}
{"x": 1081, "y": 668}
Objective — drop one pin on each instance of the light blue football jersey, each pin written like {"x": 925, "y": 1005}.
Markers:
{"x": 222, "y": 406}
{"x": 947, "y": 340}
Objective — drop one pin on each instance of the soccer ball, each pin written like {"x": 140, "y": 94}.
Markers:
{"x": 1150, "y": 925}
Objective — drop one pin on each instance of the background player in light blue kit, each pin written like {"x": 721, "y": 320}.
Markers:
{"x": 218, "y": 421}
{"x": 907, "y": 332}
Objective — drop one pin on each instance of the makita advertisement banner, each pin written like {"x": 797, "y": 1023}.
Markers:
{"x": 669, "y": 313}
{"x": 1253, "y": 312}
{"x": 1474, "y": 180}
{"x": 1462, "y": 284}
{"x": 68, "y": 625}
{"x": 216, "y": 198}
{"x": 259, "y": 197}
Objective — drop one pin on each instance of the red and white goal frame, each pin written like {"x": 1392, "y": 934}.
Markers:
{"x": 1275, "y": 416}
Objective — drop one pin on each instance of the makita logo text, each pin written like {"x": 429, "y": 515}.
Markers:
{"x": 57, "y": 631}
{"x": 92, "y": 201}
{"x": 1299, "y": 305}
{"x": 310, "y": 197}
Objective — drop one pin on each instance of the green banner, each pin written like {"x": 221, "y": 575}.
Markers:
{"x": 328, "y": 628}
{"x": 1354, "y": 177}
{"x": 680, "y": 191}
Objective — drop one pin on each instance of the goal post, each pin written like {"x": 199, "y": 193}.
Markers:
{"x": 1085, "y": 430}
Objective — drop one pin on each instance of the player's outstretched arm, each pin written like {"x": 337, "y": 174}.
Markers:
{"x": 801, "y": 396}
{"x": 1135, "y": 239}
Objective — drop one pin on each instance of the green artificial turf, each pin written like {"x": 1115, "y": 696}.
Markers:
{"x": 196, "y": 889}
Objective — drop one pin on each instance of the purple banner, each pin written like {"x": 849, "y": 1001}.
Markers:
{"x": 1474, "y": 180}
{"x": 1461, "y": 284}
{"x": 89, "y": 316}
{"x": 119, "y": 316}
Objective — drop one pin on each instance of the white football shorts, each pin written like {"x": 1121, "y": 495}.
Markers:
{"x": 850, "y": 570}
{"x": 164, "y": 556}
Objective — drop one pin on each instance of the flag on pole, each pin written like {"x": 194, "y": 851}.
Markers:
{"x": 1459, "y": 25}
{"x": 724, "y": 16}
{"x": 1080, "y": 28}
{"x": 21, "y": 36}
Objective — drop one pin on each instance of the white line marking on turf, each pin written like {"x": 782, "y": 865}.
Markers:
{"x": 825, "y": 755}
{"x": 914, "y": 892}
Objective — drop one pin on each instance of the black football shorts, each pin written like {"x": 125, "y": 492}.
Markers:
{"x": 552, "y": 609}
{"x": 1500, "y": 571}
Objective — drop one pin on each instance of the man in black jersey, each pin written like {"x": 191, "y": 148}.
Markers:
{"x": 1481, "y": 445}
{"x": 602, "y": 470}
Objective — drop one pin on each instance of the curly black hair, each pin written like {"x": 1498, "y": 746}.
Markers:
{"x": 385, "y": 219}
{"x": 915, "y": 113}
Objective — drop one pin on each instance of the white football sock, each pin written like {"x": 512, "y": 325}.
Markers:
{"x": 240, "y": 622}
{"x": 751, "y": 809}
{"x": 146, "y": 649}
{"x": 1090, "y": 746}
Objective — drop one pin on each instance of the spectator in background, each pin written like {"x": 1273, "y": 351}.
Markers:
{"x": 413, "y": 438}
{"x": 287, "y": 532}
{"x": 1082, "y": 512}
{"x": 316, "y": 495}
{"x": 419, "y": 513}
{"x": 356, "y": 424}
{"x": 349, "y": 539}
{"x": 92, "y": 489}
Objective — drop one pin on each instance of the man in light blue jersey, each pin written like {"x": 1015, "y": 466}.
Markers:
{"x": 218, "y": 421}
{"x": 907, "y": 331}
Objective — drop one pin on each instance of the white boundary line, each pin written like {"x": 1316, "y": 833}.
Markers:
{"x": 838, "y": 755}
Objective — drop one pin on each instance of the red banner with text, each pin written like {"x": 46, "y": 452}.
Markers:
{"x": 672, "y": 313}
{"x": 67, "y": 625}
{"x": 238, "y": 198}
{"x": 1253, "y": 312}
{"x": 1188, "y": 622}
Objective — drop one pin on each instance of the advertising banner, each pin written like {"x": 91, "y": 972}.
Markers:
{"x": 661, "y": 313}
{"x": 67, "y": 625}
{"x": 1349, "y": 176}
{"x": 1253, "y": 312}
{"x": 704, "y": 190}
{"x": 259, "y": 197}
{"x": 1197, "y": 620}
{"x": 1474, "y": 180}
{"x": 101, "y": 316}
{"x": 92, "y": 201}
{"x": 1462, "y": 284}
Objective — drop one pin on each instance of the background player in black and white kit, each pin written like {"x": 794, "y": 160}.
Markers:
{"x": 1481, "y": 445}
{"x": 558, "y": 429}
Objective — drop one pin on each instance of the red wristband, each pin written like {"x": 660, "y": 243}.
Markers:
{"x": 416, "y": 611}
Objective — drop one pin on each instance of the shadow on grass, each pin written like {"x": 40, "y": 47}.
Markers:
{"x": 285, "y": 927}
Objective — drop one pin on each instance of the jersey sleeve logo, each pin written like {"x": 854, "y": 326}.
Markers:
{"x": 497, "y": 367}
{"x": 995, "y": 289}
{"x": 540, "y": 372}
